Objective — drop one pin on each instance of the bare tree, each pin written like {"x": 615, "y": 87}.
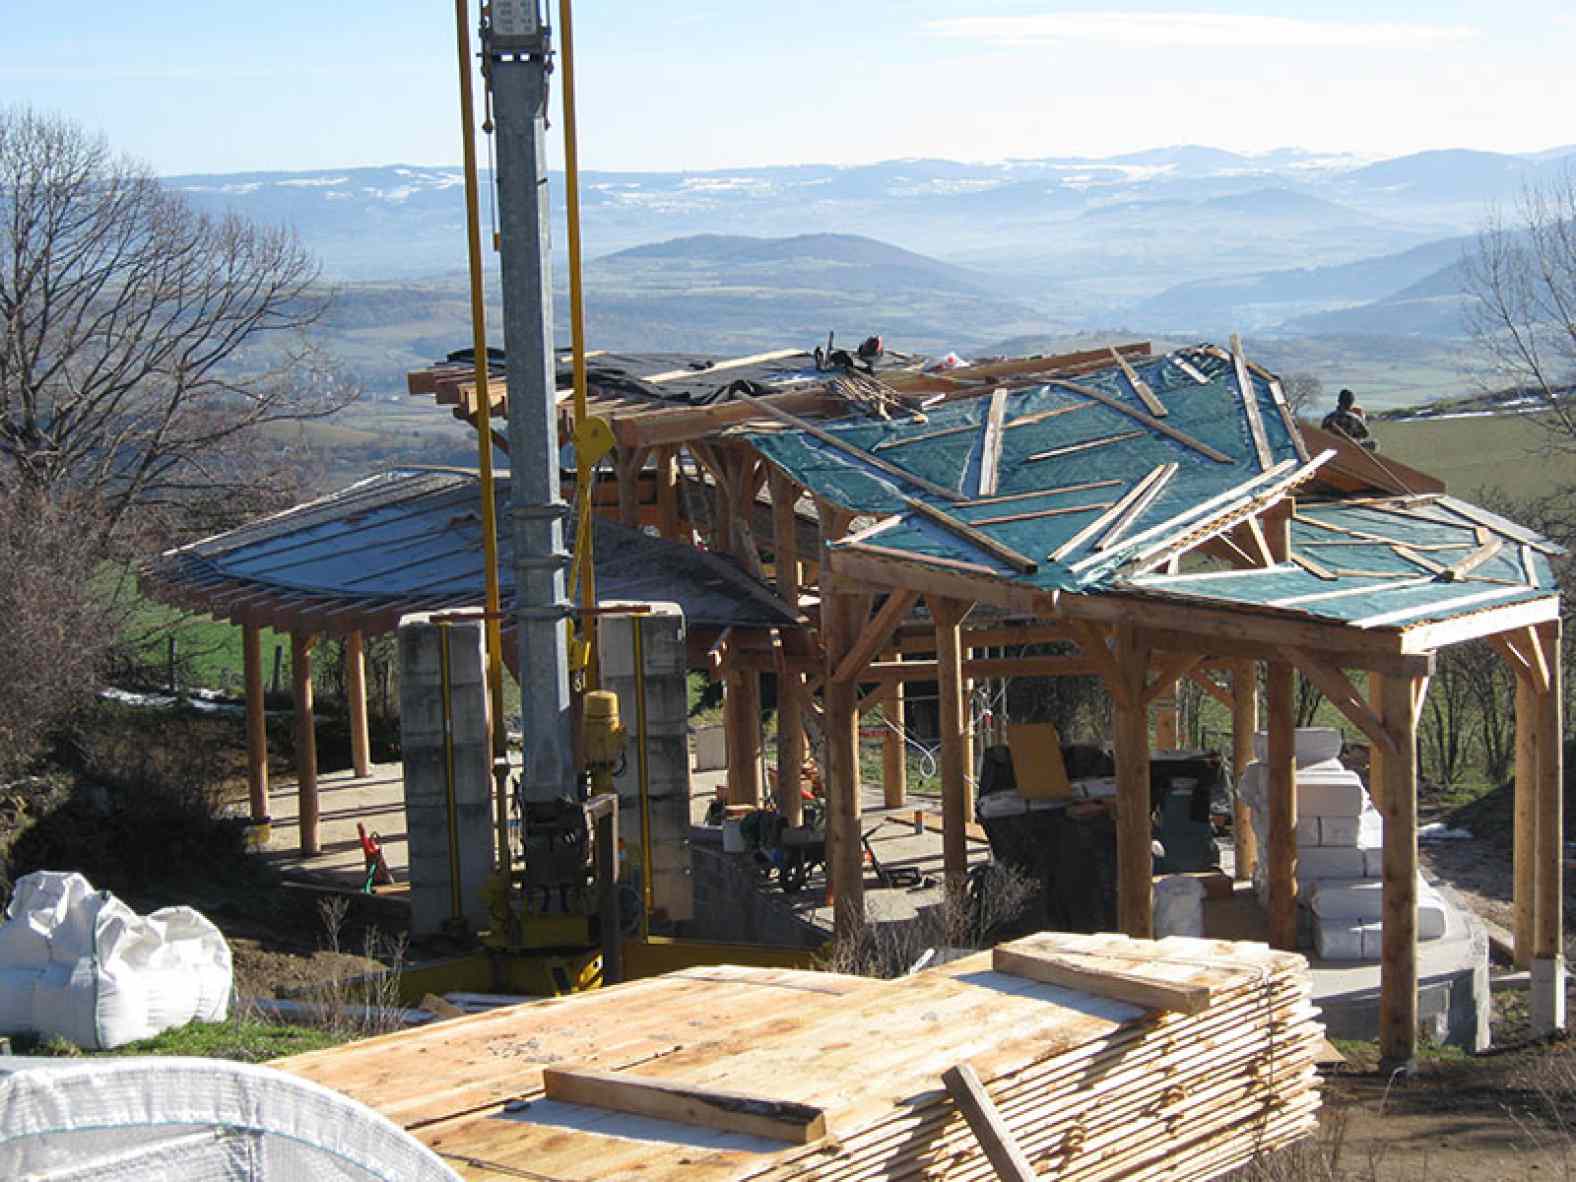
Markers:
{"x": 1304, "y": 393}
{"x": 1522, "y": 277}
{"x": 144, "y": 342}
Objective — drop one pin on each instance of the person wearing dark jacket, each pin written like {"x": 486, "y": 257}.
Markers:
{"x": 1350, "y": 420}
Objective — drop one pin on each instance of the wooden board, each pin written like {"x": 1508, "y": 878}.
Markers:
{"x": 1087, "y": 1087}
{"x": 1037, "y": 750}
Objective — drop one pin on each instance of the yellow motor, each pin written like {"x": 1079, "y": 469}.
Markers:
{"x": 603, "y": 738}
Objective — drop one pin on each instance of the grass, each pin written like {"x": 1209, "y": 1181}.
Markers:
{"x": 242, "y": 1038}
{"x": 1491, "y": 451}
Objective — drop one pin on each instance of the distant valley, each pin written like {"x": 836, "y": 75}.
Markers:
{"x": 1315, "y": 257}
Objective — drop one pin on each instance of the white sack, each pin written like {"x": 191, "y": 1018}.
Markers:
{"x": 82, "y": 965}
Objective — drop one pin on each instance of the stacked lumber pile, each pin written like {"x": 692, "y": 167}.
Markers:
{"x": 1077, "y": 1057}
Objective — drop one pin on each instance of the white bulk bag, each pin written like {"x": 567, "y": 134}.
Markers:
{"x": 80, "y": 964}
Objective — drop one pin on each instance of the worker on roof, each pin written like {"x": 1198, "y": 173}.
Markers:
{"x": 1350, "y": 420}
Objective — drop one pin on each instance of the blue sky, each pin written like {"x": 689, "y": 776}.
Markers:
{"x": 225, "y": 87}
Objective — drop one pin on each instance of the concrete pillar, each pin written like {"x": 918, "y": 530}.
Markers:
{"x": 433, "y": 848}
{"x": 662, "y": 636}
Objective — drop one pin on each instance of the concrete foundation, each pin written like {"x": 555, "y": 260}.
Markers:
{"x": 1548, "y": 995}
{"x": 427, "y": 810}
{"x": 731, "y": 904}
{"x": 667, "y": 752}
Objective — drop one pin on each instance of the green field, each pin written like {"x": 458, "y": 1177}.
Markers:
{"x": 1481, "y": 452}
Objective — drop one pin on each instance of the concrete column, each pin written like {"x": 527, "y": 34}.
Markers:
{"x": 443, "y": 856}
{"x": 356, "y": 689}
{"x": 662, "y": 636}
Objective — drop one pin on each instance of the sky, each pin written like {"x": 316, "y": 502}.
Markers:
{"x": 705, "y": 84}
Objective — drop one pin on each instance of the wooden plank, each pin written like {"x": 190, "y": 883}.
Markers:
{"x": 1036, "y": 514}
{"x": 1085, "y": 445}
{"x": 1312, "y": 567}
{"x": 1039, "y": 416}
{"x": 990, "y": 445}
{"x": 1426, "y": 638}
{"x": 1396, "y": 584}
{"x": 1443, "y": 608}
{"x": 877, "y": 568}
{"x": 669, "y": 375}
{"x": 995, "y": 1138}
{"x": 923, "y": 437}
{"x": 1042, "y": 492}
{"x": 1158, "y": 481}
{"x": 1250, "y": 405}
{"x": 1100, "y": 977}
{"x": 875, "y": 634}
{"x": 849, "y": 449}
{"x": 956, "y": 564}
{"x": 1147, "y": 420}
{"x": 1015, "y": 367}
{"x": 1102, "y": 522}
{"x": 1473, "y": 560}
{"x": 1019, "y": 562}
{"x": 1288, "y": 420}
{"x": 1188, "y": 368}
{"x": 1140, "y": 387}
{"x": 727, "y": 1112}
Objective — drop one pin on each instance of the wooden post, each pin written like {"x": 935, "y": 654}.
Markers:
{"x": 628, "y": 469}
{"x": 790, "y": 686}
{"x": 279, "y": 657}
{"x": 305, "y": 742}
{"x": 1548, "y": 936}
{"x": 356, "y": 687}
{"x": 1282, "y": 789}
{"x": 1525, "y": 842}
{"x": 1167, "y": 737}
{"x": 741, "y": 705}
{"x": 668, "y": 495}
{"x": 1376, "y": 772}
{"x": 1244, "y": 723}
{"x": 256, "y": 721}
{"x": 1135, "y": 859}
{"x": 845, "y": 853}
{"x": 970, "y": 755}
{"x": 948, "y": 615}
{"x": 1398, "y": 952}
{"x": 894, "y": 749}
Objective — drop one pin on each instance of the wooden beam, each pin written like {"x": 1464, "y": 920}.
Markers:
{"x": 948, "y": 615}
{"x": 1103, "y": 522}
{"x": 1069, "y": 449}
{"x": 981, "y": 667}
{"x": 305, "y": 744}
{"x": 875, "y": 634}
{"x": 668, "y": 495}
{"x": 1421, "y": 638}
{"x": 840, "y": 741}
{"x": 1102, "y": 977}
{"x": 1134, "y": 511}
{"x": 1038, "y": 514}
{"x": 1472, "y": 561}
{"x": 1343, "y": 695}
{"x": 1250, "y": 405}
{"x": 1548, "y": 935}
{"x": 1021, "y": 563}
{"x": 853, "y": 451}
{"x": 356, "y": 690}
{"x": 727, "y": 1112}
{"x": 256, "y": 722}
{"x": 1446, "y": 607}
{"x": 1147, "y": 420}
{"x": 1093, "y": 641}
{"x": 877, "y": 567}
{"x": 1398, "y": 952}
{"x": 1281, "y": 679}
{"x": 1134, "y": 839}
{"x": 1140, "y": 387}
{"x": 990, "y": 445}
{"x": 674, "y": 425}
{"x": 987, "y": 1125}
{"x": 1213, "y": 688}
{"x": 1168, "y": 669}
{"x": 790, "y": 683}
{"x": 669, "y": 375}
{"x": 1244, "y": 723}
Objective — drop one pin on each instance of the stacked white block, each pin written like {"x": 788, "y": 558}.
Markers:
{"x": 1340, "y": 851}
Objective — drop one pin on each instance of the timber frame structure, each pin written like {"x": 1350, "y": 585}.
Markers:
{"x": 1165, "y": 516}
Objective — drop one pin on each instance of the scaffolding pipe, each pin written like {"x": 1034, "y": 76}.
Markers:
{"x": 577, "y": 331}
{"x": 473, "y": 241}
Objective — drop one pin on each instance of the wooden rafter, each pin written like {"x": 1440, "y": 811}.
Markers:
{"x": 1147, "y": 420}
{"x": 990, "y": 444}
{"x": 1140, "y": 387}
{"x": 1019, "y": 562}
{"x": 1250, "y": 405}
